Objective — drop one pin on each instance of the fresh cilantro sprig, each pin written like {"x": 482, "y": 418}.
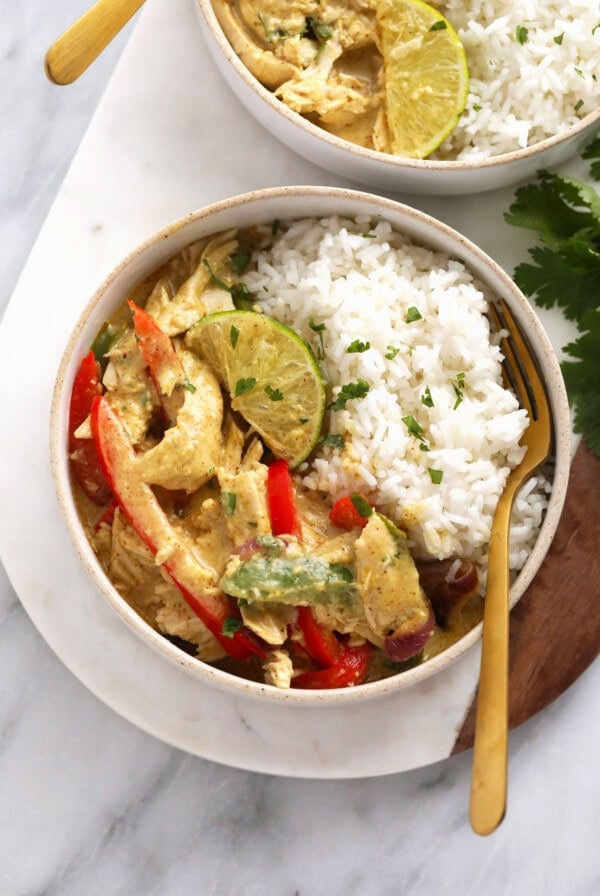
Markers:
{"x": 592, "y": 151}
{"x": 565, "y": 214}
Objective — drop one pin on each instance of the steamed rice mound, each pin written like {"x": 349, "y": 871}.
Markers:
{"x": 534, "y": 71}
{"x": 430, "y": 359}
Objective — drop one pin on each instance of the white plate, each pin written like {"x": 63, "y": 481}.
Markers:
{"x": 147, "y": 159}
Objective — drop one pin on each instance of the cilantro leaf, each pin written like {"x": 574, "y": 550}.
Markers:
{"x": 522, "y": 33}
{"x": 350, "y": 390}
{"x": 582, "y": 377}
{"x": 565, "y": 272}
{"x": 547, "y": 208}
{"x": 361, "y": 505}
{"x": 414, "y": 428}
{"x": 334, "y": 440}
{"x": 317, "y": 30}
{"x": 228, "y": 502}
{"x": 244, "y": 385}
{"x": 358, "y": 346}
{"x": 592, "y": 151}
{"x": 239, "y": 261}
{"x": 231, "y": 625}
{"x": 274, "y": 394}
{"x": 552, "y": 281}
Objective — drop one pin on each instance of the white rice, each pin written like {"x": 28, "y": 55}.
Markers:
{"x": 361, "y": 288}
{"x": 522, "y": 93}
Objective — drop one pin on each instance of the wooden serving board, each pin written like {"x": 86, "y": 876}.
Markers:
{"x": 555, "y": 627}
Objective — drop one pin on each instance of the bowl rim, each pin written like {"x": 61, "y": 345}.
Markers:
{"x": 382, "y": 159}
{"x": 304, "y": 194}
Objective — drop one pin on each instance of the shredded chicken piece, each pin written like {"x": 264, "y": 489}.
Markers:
{"x": 270, "y": 622}
{"x": 278, "y": 669}
{"x": 187, "y": 455}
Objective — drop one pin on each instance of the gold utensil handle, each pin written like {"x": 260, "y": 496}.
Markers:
{"x": 72, "y": 53}
{"x": 489, "y": 773}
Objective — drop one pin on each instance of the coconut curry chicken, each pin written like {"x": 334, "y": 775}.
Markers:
{"x": 188, "y": 419}
{"x": 389, "y": 75}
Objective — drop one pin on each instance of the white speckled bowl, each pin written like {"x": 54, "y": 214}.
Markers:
{"x": 377, "y": 169}
{"x": 263, "y": 207}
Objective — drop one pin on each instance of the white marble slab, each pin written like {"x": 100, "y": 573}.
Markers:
{"x": 90, "y": 804}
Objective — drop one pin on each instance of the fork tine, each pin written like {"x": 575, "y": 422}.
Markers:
{"x": 534, "y": 378}
{"x": 515, "y": 354}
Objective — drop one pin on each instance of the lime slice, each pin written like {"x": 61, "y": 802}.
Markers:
{"x": 426, "y": 76}
{"x": 271, "y": 375}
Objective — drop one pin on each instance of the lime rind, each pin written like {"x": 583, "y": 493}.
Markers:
{"x": 271, "y": 374}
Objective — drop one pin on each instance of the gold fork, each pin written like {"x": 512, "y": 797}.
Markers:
{"x": 489, "y": 773}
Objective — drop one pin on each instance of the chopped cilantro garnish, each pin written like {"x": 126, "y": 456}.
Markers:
{"x": 231, "y": 625}
{"x": 358, "y": 346}
{"x": 565, "y": 272}
{"x": 424, "y": 446}
{"x": 348, "y": 391}
{"x": 189, "y": 386}
{"x": 435, "y": 475}
{"x": 275, "y": 227}
{"x": 303, "y": 420}
{"x": 521, "y": 34}
{"x": 391, "y": 353}
{"x": 413, "y": 314}
{"x": 458, "y": 389}
{"x": 252, "y": 523}
{"x": 318, "y": 329}
{"x": 317, "y": 30}
{"x": 369, "y": 235}
{"x": 476, "y": 107}
{"x": 244, "y": 385}
{"x": 440, "y": 25}
{"x": 578, "y": 70}
{"x": 242, "y": 297}
{"x": 264, "y": 21}
{"x": 426, "y": 398}
{"x": 274, "y": 394}
{"x": 233, "y": 336}
{"x": 333, "y": 440}
{"x": 228, "y": 502}
{"x": 413, "y": 427}
{"x": 361, "y": 505}
{"x": 578, "y": 105}
{"x": 558, "y": 39}
{"x": 239, "y": 261}
{"x": 216, "y": 280}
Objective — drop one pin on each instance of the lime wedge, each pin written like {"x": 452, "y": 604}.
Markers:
{"x": 426, "y": 76}
{"x": 271, "y": 375}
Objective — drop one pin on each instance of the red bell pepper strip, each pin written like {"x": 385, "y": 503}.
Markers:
{"x": 349, "y": 513}
{"x": 82, "y": 452}
{"x": 158, "y": 352}
{"x": 281, "y": 501}
{"x": 320, "y": 642}
{"x": 195, "y": 581}
{"x": 349, "y": 669}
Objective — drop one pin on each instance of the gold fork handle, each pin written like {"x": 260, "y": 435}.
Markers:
{"x": 72, "y": 53}
{"x": 489, "y": 773}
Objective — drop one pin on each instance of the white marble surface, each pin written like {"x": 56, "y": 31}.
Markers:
{"x": 88, "y": 803}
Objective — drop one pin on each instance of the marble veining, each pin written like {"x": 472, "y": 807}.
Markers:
{"x": 91, "y": 804}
